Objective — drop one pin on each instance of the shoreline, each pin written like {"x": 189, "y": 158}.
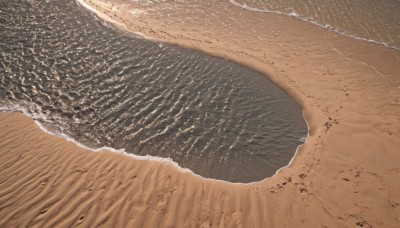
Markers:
{"x": 294, "y": 15}
{"x": 161, "y": 160}
{"x": 344, "y": 175}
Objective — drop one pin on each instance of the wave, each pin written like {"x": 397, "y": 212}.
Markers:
{"x": 293, "y": 14}
{"x": 105, "y": 18}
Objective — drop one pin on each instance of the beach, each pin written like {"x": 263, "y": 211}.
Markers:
{"x": 345, "y": 175}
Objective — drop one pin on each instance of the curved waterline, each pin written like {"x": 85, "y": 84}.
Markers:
{"x": 169, "y": 161}
{"x": 104, "y": 88}
{"x": 332, "y": 28}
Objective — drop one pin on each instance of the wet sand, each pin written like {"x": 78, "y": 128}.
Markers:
{"x": 345, "y": 175}
{"x": 215, "y": 117}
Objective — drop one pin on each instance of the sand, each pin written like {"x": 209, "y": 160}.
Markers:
{"x": 345, "y": 175}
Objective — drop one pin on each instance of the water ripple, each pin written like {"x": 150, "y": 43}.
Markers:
{"x": 107, "y": 88}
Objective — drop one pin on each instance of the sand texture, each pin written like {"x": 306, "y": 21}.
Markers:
{"x": 345, "y": 175}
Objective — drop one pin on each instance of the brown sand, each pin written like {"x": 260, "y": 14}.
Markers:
{"x": 346, "y": 175}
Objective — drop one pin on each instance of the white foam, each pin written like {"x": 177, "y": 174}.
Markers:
{"x": 297, "y": 149}
{"x": 169, "y": 161}
{"x": 106, "y": 18}
{"x": 23, "y": 108}
{"x": 328, "y": 27}
{"x": 86, "y": 6}
{"x": 41, "y": 117}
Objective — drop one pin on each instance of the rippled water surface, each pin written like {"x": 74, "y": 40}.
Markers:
{"x": 377, "y": 21}
{"x": 103, "y": 87}
{"x": 373, "y": 20}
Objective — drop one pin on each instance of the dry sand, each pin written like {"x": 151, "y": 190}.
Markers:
{"x": 346, "y": 174}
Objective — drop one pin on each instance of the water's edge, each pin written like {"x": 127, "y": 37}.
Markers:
{"x": 169, "y": 161}
{"x": 95, "y": 13}
{"x": 160, "y": 160}
{"x": 296, "y": 16}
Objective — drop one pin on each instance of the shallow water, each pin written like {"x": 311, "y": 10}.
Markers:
{"x": 104, "y": 87}
{"x": 373, "y": 20}
{"x": 376, "y": 21}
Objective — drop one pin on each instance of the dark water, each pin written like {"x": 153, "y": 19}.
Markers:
{"x": 103, "y": 87}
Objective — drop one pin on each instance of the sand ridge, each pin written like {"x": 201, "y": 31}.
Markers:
{"x": 345, "y": 175}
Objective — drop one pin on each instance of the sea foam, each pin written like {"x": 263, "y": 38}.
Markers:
{"x": 294, "y": 14}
